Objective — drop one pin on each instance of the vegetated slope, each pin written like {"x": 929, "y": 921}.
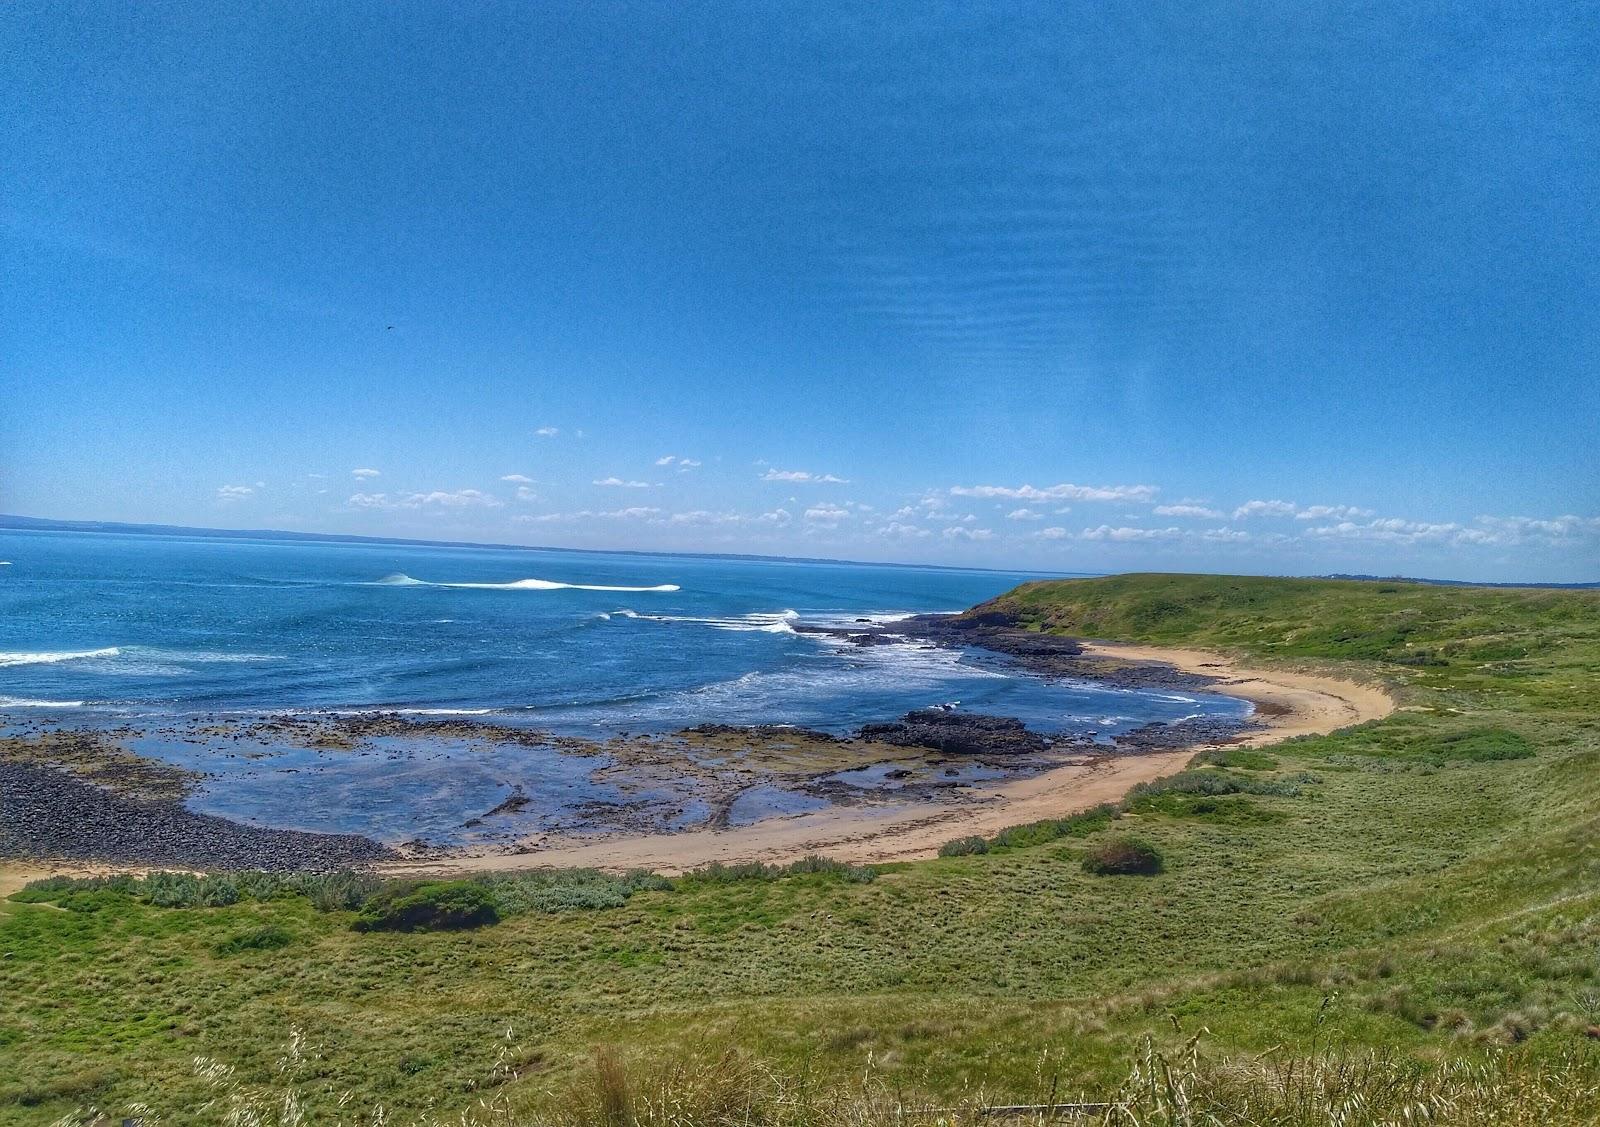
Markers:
{"x": 1426, "y": 887}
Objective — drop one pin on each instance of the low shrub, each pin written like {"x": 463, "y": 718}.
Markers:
{"x": 1216, "y": 783}
{"x": 1054, "y": 829}
{"x": 266, "y": 938}
{"x": 1235, "y": 758}
{"x": 569, "y": 890}
{"x": 433, "y": 906}
{"x": 185, "y": 890}
{"x": 718, "y": 873}
{"x": 1410, "y": 738}
{"x": 1123, "y": 856}
{"x": 1229, "y": 810}
{"x": 964, "y": 846}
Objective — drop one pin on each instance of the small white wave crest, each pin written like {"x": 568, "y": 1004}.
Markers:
{"x": 766, "y": 622}
{"x": 401, "y": 580}
{"x": 25, "y": 702}
{"x": 51, "y": 657}
{"x": 444, "y": 711}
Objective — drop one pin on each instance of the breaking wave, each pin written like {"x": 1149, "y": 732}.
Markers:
{"x": 130, "y": 660}
{"x": 766, "y": 622}
{"x": 51, "y": 657}
{"x": 401, "y": 580}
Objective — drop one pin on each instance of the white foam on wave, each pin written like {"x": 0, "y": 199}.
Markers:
{"x": 25, "y": 702}
{"x": 444, "y": 711}
{"x": 401, "y": 580}
{"x": 765, "y": 622}
{"x": 845, "y": 620}
{"x": 51, "y": 657}
{"x": 131, "y": 661}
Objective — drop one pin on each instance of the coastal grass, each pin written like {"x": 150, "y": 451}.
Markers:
{"x": 1404, "y": 911}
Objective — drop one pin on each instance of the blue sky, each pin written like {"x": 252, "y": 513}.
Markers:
{"x": 1282, "y": 288}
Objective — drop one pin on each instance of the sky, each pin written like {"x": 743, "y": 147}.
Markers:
{"x": 1261, "y": 287}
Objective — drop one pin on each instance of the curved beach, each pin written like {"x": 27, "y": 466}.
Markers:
{"x": 1288, "y": 704}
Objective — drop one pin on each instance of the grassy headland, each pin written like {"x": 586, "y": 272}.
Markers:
{"x": 1422, "y": 892}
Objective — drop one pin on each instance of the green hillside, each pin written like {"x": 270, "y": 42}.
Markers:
{"x": 1412, "y": 902}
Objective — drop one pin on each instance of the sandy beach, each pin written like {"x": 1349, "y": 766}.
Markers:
{"x": 1288, "y": 703}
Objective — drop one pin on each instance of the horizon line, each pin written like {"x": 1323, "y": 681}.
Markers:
{"x": 20, "y": 522}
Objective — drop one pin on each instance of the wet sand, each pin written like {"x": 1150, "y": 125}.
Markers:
{"x": 1288, "y": 704}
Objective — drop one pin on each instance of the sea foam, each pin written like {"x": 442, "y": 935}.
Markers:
{"x": 766, "y": 622}
{"x": 523, "y": 585}
{"x": 51, "y": 657}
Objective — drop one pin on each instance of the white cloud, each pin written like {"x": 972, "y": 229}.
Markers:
{"x": 903, "y": 531}
{"x": 1264, "y": 509}
{"x": 681, "y": 463}
{"x": 1125, "y": 534}
{"x": 527, "y": 493}
{"x": 1337, "y": 512}
{"x": 1063, "y": 492}
{"x": 617, "y": 482}
{"x": 804, "y": 476}
{"x": 637, "y": 512}
{"x": 1024, "y": 514}
{"x": 1516, "y": 530}
{"x": 364, "y": 474}
{"x": 439, "y": 499}
{"x": 1200, "y": 511}
{"x": 1053, "y": 533}
{"x": 547, "y": 432}
{"x": 231, "y": 493}
{"x": 958, "y": 532}
{"x": 459, "y": 499}
{"x": 827, "y": 514}
{"x": 519, "y": 479}
{"x": 705, "y": 517}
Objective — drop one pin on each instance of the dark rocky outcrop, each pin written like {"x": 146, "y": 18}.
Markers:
{"x": 958, "y": 733}
{"x": 48, "y": 814}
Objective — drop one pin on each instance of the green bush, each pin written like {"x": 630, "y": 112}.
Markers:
{"x": 569, "y": 890}
{"x": 1123, "y": 856}
{"x": 185, "y": 890}
{"x": 1229, "y": 810}
{"x": 433, "y": 906}
{"x": 718, "y": 873}
{"x": 1236, "y": 758}
{"x": 1478, "y": 745}
{"x": 1216, "y": 783}
{"x": 266, "y": 938}
{"x": 344, "y": 891}
{"x": 1413, "y": 738}
{"x": 964, "y": 846}
{"x": 1054, "y": 829}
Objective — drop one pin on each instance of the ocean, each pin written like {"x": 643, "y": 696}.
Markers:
{"x": 155, "y": 637}
{"x": 575, "y": 642}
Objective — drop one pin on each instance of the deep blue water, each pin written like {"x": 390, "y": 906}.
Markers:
{"x": 151, "y": 626}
